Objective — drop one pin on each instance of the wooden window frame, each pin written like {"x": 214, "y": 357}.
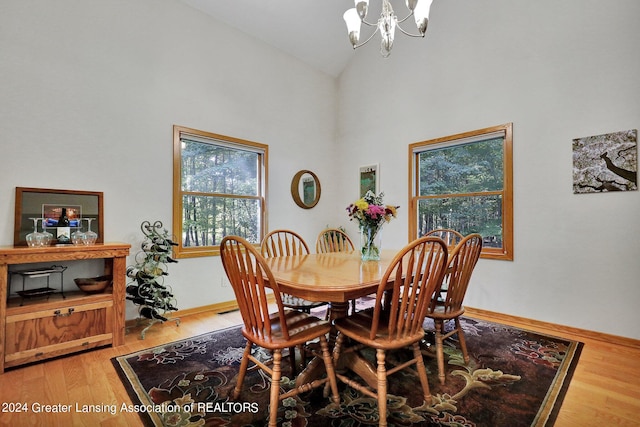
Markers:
{"x": 506, "y": 251}
{"x": 200, "y": 251}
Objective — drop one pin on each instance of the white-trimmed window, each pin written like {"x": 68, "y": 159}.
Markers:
{"x": 219, "y": 189}
{"x": 464, "y": 182}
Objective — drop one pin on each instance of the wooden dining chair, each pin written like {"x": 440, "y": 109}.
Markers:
{"x": 248, "y": 272}
{"x": 333, "y": 240}
{"x": 462, "y": 261}
{"x": 286, "y": 243}
{"x": 450, "y": 237}
{"x": 396, "y": 319}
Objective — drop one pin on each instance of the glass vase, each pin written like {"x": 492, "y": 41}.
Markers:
{"x": 370, "y": 243}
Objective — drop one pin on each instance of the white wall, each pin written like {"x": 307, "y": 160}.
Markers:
{"x": 90, "y": 90}
{"x": 558, "y": 71}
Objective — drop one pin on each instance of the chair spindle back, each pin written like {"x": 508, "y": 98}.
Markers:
{"x": 416, "y": 272}
{"x": 451, "y": 237}
{"x": 283, "y": 243}
{"x": 462, "y": 262}
{"x": 333, "y": 240}
{"x": 247, "y": 271}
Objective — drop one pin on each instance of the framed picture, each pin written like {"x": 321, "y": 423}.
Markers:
{"x": 51, "y": 215}
{"x": 369, "y": 179}
{"x": 47, "y": 206}
{"x": 604, "y": 163}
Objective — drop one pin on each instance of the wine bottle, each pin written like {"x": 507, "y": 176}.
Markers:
{"x": 153, "y": 247}
{"x": 141, "y": 301}
{"x": 167, "y": 306}
{"x": 140, "y": 276}
{"x": 133, "y": 290}
{"x": 151, "y": 313}
{"x": 156, "y": 284}
{"x": 159, "y": 272}
{"x": 163, "y": 258}
{"x": 63, "y": 221}
{"x": 145, "y": 291}
{"x": 164, "y": 241}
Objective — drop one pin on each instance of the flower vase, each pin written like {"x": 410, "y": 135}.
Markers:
{"x": 370, "y": 243}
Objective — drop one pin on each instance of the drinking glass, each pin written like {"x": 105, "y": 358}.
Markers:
{"x": 78, "y": 236}
{"x": 90, "y": 237}
{"x": 37, "y": 238}
{"x": 47, "y": 237}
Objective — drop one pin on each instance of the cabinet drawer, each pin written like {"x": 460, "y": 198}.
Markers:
{"x": 67, "y": 323}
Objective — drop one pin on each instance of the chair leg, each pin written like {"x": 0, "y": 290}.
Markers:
{"x": 440, "y": 349}
{"x": 382, "y": 388}
{"x": 337, "y": 348}
{"x": 331, "y": 373}
{"x": 292, "y": 361}
{"x": 275, "y": 388}
{"x": 302, "y": 349}
{"x": 244, "y": 363}
{"x": 463, "y": 342}
{"x": 422, "y": 372}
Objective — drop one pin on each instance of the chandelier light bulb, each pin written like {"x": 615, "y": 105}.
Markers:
{"x": 421, "y": 15}
{"x": 362, "y": 6}
{"x": 353, "y": 21}
{"x": 411, "y": 4}
{"x": 387, "y": 23}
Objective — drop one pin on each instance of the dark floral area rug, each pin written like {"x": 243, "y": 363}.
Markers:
{"x": 515, "y": 378}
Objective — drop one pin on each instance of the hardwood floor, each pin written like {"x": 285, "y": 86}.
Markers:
{"x": 604, "y": 391}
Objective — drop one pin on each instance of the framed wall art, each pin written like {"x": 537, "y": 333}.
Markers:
{"x": 50, "y": 206}
{"x": 604, "y": 163}
{"x": 369, "y": 179}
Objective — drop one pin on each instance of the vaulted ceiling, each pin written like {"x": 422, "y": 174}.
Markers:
{"x": 312, "y": 31}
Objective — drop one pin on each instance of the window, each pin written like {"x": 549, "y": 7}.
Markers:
{"x": 464, "y": 182}
{"x": 219, "y": 186}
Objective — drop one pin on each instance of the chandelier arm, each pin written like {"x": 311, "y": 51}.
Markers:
{"x": 407, "y": 17}
{"x": 367, "y": 40}
{"x": 369, "y": 23}
{"x": 407, "y": 33}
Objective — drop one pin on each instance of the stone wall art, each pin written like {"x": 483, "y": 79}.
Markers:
{"x": 604, "y": 163}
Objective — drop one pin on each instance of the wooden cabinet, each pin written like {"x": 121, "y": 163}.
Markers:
{"x": 35, "y": 329}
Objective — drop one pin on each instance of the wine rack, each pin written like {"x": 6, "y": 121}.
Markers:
{"x": 147, "y": 288}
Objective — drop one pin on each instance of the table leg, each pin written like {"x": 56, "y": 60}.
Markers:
{"x": 358, "y": 364}
{"x": 352, "y": 361}
{"x": 315, "y": 369}
{"x": 337, "y": 310}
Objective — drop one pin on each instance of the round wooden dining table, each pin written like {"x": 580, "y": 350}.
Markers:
{"x": 337, "y": 278}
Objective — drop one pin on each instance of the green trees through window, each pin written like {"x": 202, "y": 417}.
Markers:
{"x": 219, "y": 190}
{"x": 463, "y": 182}
{"x": 472, "y": 174}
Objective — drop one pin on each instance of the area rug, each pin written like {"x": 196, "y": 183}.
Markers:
{"x": 515, "y": 378}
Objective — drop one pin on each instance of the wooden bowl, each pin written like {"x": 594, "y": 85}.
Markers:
{"x": 93, "y": 285}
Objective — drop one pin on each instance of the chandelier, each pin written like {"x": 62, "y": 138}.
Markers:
{"x": 387, "y": 23}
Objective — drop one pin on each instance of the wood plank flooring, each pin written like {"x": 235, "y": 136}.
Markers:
{"x": 604, "y": 391}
